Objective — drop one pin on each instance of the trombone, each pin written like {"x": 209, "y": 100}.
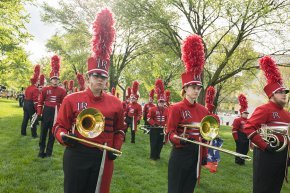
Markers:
{"x": 209, "y": 128}
{"x": 90, "y": 123}
{"x": 270, "y": 135}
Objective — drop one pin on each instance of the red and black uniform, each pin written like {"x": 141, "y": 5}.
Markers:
{"x": 242, "y": 142}
{"x": 50, "y": 97}
{"x": 268, "y": 167}
{"x": 82, "y": 162}
{"x": 29, "y": 108}
{"x": 157, "y": 118}
{"x": 185, "y": 160}
{"x": 146, "y": 109}
{"x": 133, "y": 117}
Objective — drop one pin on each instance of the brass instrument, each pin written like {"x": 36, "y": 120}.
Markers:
{"x": 269, "y": 135}
{"x": 209, "y": 129}
{"x": 90, "y": 123}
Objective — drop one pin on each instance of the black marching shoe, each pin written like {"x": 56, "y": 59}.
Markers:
{"x": 42, "y": 155}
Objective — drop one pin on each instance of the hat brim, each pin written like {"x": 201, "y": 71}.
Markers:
{"x": 189, "y": 84}
{"x": 99, "y": 74}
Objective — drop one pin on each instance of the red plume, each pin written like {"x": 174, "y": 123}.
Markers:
{"x": 271, "y": 70}
{"x": 135, "y": 87}
{"x": 167, "y": 95}
{"x": 81, "y": 81}
{"x": 65, "y": 83}
{"x": 243, "y": 103}
{"x": 159, "y": 88}
{"x": 193, "y": 54}
{"x": 128, "y": 92}
{"x": 209, "y": 99}
{"x": 113, "y": 91}
{"x": 71, "y": 85}
{"x": 55, "y": 63}
{"x": 36, "y": 71}
{"x": 151, "y": 94}
{"x": 103, "y": 35}
{"x": 41, "y": 80}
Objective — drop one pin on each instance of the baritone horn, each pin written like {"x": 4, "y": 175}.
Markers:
{"x": 90, "y": 123}
{"x": 209, "y": 130}
{"x": 270, "y": 135}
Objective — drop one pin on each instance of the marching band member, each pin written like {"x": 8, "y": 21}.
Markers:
{"x": 242, "y": 142}
{"x": 185, "y": 158}
{"x": 148, "y": 106}
{"x": 82, "y": 163}
{"x": 50, "y": 98}
{"x": 268, "y": 165}
{"x": 30, "y": 102}
{"x": 134, "y": 111}
{"x": 157, "y": 118}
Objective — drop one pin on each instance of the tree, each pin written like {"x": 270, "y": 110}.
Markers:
{"x": 226, "y": 27}
{"x": 14, "y": 63}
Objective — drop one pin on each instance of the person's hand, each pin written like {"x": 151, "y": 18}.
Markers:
{"x": 69, "y": 141}
{"x": 111, "y": 155}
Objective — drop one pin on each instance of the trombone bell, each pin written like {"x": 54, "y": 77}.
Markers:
{"x": 90, "y": 123}
{"x": 209, "y": 128}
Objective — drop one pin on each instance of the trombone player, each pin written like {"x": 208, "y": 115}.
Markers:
{"x": 270, "y": 160}
{"x": 89, "y": 169}
{"x": 185, "y": 158}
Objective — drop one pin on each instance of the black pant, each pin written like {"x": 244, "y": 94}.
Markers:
{"x": 46, "y": 127}
{"x": 182, "y": 169}
{"x": 129, "y": 121}
{"x": 242, "y": 146}
{"x": 81, "y": 166}
{"x": 28, "y": 110}
{"x": 20, "y": 100}
{"x": 268, "y": 170}
{"x": 156, "y": 142}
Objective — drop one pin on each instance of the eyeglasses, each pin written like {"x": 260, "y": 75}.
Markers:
{"x": 281, "y": 92}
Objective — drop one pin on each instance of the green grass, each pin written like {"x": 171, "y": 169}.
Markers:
{"x": 22, "y": 171}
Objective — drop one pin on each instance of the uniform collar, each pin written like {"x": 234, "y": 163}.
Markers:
{"x": 95, "y": 98}
{"x": 188, "y": 103}
{"x": 275, "y": 105}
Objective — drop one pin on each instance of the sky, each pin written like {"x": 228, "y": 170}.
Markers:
{"x": 40, "y": 30}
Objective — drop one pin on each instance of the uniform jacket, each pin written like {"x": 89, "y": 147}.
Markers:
{"x": 146, "y": 109}
{"x": 31, "y": 94}
{"x": 270, "y": 114}
{"x": 50, "y": 96}
{"x": 184, "y": 113}
{"x": 134, "y": 110}
{"x": 157, "y": 116}
{"x": 238, "y": 125}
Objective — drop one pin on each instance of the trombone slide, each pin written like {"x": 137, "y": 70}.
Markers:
{"x": 117, "y": 152}
{"x": 245, "y": 157}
